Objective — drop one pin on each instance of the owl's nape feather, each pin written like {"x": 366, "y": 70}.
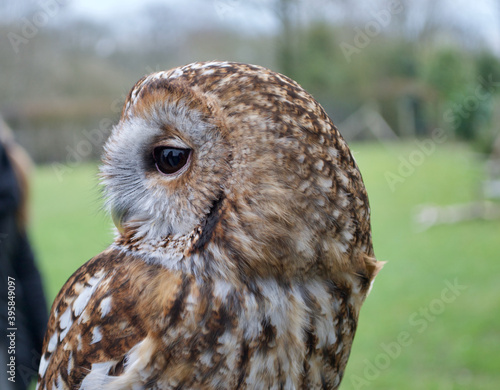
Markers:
{"x": 243, "y": 252}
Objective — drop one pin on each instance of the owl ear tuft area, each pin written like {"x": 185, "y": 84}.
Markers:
{"x": 373, "y": 266}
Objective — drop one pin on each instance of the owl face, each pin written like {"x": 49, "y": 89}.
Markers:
{"x": 165, "y": 167}
{"x": 239, "y": 163}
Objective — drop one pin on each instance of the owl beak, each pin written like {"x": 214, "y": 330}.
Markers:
{"x": 119, "y": 215}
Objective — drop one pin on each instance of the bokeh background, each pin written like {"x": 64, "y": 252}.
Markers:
{"x": 413, "y": 85}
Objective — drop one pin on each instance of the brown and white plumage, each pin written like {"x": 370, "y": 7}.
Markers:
{"x": 244, "y": 268}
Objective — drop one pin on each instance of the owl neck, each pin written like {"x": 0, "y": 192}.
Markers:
{"x": 194, "y": 253}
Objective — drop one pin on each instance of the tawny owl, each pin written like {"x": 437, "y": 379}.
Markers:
{"x": 243, "y": 250}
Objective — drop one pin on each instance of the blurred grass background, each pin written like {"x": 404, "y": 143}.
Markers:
{"x": 459, "y": 347}
{"x": 388, "y": 72}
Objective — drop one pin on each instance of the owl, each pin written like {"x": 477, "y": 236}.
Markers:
{"x": 243, "y": 248}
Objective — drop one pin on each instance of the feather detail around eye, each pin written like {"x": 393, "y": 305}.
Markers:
{"x": 243, "y": 250}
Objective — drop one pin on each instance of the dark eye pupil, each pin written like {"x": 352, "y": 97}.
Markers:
{"x": 170, "y": 160}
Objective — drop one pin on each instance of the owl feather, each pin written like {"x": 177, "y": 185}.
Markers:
{"x": 243, "y": 248}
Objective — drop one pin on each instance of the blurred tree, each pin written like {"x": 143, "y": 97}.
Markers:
{"x": 420, "y": 66}
{"x": 488, "y": 70}
{"x": 448, "y": 72}
{"x": 486, "y": 130}
{"x": 286, "y": 56}
{"x": 317, "y": 57}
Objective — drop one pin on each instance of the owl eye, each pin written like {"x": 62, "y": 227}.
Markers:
{"x": 169, "y": 160}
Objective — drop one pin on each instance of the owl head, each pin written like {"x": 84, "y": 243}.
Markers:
{"x": 237, "y": 169}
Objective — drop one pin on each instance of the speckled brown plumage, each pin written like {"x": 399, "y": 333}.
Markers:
{"x": 245, "y": 269}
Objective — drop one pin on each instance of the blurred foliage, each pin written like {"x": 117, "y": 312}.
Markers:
{"x": 446, "y": 72}
{"x": 74, "y": 71}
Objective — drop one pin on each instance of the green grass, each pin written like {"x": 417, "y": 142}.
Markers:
{"x": 459, "y": 347}
{"x": 68, "y": 224}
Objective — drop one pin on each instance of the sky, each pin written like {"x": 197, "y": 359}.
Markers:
{"x": 483, "y": 15}
{"x": 229, "y": 12}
